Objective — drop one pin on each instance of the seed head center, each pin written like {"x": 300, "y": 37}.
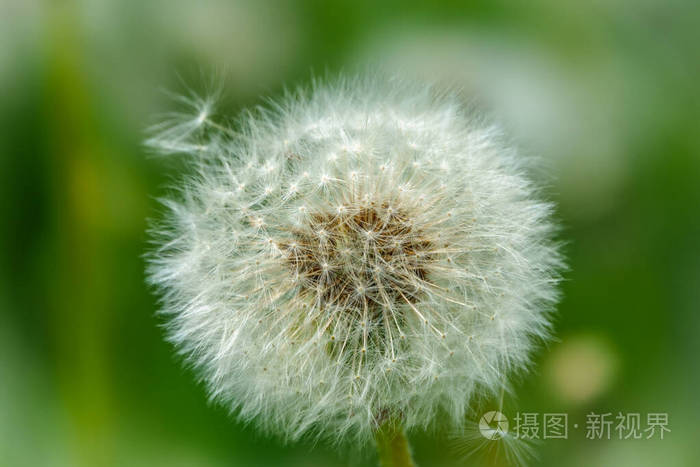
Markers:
{"x": 360, "y": 258}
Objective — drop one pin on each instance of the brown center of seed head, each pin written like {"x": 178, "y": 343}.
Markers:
{"x": 361, "y": 258}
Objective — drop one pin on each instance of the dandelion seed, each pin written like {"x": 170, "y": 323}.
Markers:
{"x": 384, "y": 268}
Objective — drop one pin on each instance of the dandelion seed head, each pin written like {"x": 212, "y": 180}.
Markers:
{"x": 367, "y": 249}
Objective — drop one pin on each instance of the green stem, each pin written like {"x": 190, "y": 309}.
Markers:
{"x": 392, "y": 445}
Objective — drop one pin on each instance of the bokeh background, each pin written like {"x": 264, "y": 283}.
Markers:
{"x": 605, "y": 92}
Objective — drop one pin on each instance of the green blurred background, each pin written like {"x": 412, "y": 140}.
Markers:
{"x": 605, "y": 92}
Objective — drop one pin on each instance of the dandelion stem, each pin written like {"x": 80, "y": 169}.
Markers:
{"x": 392, "y": 445}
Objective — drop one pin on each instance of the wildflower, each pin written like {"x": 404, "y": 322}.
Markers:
{"x": 362, "y": 252}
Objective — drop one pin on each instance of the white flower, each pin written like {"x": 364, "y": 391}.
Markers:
{"x": 363, "y": 251}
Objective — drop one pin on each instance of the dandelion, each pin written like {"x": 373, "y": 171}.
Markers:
{"x": 361, "y": 258}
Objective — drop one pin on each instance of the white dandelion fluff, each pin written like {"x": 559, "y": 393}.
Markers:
{"x": 359, "y": 252}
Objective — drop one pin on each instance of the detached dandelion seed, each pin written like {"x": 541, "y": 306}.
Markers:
{"x": 362, "y": 255}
